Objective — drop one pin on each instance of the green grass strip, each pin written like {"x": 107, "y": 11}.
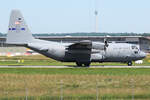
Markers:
{"x": 77, "y": 71}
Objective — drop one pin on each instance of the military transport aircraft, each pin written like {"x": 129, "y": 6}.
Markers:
{"x": 82, "y": 52}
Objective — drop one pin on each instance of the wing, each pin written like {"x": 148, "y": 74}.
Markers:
{"x": 82, "y": 45}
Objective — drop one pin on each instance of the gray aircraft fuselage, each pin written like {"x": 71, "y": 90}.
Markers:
{"x": 115, "y": 52}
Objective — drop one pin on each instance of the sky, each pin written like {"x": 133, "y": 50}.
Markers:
{"x": 56, "y": 16}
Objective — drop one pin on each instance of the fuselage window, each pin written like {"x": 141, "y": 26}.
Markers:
{"x": 133, "y": 47}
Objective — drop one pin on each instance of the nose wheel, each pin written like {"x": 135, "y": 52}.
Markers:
{"x": 87, "y": 64}
{"x": 130, "y": 63}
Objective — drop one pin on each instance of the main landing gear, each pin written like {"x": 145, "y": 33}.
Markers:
{"x": 86, "y": 64}
{"x": 130, "y": 63}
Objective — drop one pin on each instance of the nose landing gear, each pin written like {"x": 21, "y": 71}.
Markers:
{"x": 130, "y": 63}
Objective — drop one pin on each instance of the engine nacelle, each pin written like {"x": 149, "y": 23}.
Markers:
{"x": 98, "y": 45}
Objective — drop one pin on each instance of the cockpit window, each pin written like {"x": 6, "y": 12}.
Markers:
{"x": 134, "y": 47}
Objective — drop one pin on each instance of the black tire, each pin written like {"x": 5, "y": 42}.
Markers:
{"x": 78, "y": 64}
{"x": 87, "y": 64}
{"x": 130, "y": 63}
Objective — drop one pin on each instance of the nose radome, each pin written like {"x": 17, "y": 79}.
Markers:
{"x": 143, "y": 54}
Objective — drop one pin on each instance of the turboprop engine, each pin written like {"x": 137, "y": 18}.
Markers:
{"x": 98, "y": 45}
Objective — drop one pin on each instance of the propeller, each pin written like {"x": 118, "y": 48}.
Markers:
{"x": 106, "y": 44}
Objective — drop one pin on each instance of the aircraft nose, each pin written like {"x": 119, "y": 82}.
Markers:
{"x": 143, "y": 55}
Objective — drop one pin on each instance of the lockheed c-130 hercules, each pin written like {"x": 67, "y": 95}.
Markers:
{"x": 82, "y": 52}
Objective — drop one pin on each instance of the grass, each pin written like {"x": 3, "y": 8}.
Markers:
{"x": 77, "y": 83}
{"x": 77, "y": 71}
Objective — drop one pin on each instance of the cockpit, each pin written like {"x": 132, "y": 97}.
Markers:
{"x": 135, "y": 49}
{"x": 137, "y": 52}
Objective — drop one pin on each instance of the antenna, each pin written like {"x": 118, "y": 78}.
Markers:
{"x": 96, "y": 16}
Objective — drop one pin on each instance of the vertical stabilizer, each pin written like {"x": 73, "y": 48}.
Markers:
{"x": 18, "y": 31}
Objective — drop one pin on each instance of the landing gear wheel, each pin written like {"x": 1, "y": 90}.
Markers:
{"x": 87, "y": 64}
{"x": 130, "y": 63}
{"x": 78, "y": 64}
